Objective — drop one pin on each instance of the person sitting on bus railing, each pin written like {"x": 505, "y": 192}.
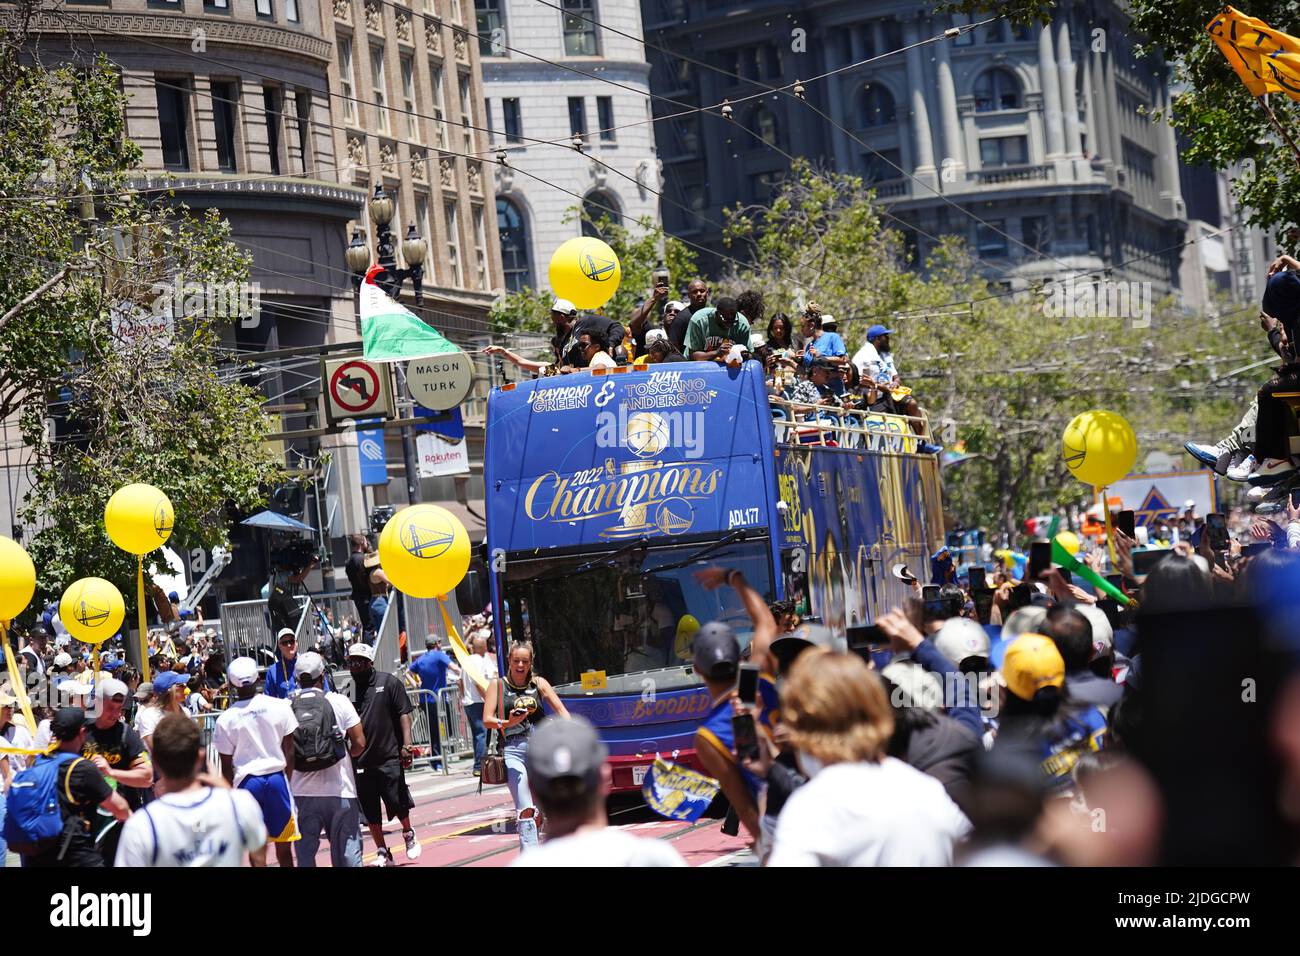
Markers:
{"x": 814, "y": 390}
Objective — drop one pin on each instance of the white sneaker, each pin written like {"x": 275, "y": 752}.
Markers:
{"x": 1258, "y": 493}
{"x": 413, "y": 848}
{"x": 1272, "y": 467}
{"x": 383, "y": 858}
{"x": 1242, "y": 470}
{"x": 1206, "y": 454}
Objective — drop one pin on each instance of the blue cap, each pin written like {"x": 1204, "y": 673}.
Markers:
{"x": 112, "y": 665}
{"x": 167, "y": 680}
{"x": 174, "y": 597}
{"x": 186, "y": 614}
{"x": 878, "y": 330}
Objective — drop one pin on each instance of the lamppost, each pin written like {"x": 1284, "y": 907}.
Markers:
{"x": 414, "y": 250}
{"x": 391, "y": 280}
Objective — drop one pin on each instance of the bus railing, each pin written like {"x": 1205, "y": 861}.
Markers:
{"x": 804, "y": 423}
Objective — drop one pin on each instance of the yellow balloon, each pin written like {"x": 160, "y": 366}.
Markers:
{"x": 684, "y": 645}
{"x": 586, "y": 272}
{"x": 424, "y": 551}
{"x": 1099, "y": 447}
{"x": 1069, "y": 541}
{"x": 139, "y": 518}
{"x": 92, "y": 610}
{"x": 17, "y": 579}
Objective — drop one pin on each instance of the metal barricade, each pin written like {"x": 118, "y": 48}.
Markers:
{"x": 207, "y": 727}
{"x": 421, "y": 727}
{"x": 457, "y": 736}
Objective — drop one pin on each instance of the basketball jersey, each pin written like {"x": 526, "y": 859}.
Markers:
{"x": 715, "y": 732}
{"x": 522, "y": 698}
{"x": 210, "y": 827}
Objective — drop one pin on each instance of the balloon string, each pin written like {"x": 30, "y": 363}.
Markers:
{"x": 1110, "y": 534}
{"x": 461, "y": 651}
{"x": 139, "y": 600}
{"x": 19, "y": 689}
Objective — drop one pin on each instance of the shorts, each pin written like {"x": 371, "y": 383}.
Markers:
{"x": 278, "y": 811}
{"x": 384, "y": 783}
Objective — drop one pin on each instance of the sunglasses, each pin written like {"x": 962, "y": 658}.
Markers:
{"x": 288, "y": 640}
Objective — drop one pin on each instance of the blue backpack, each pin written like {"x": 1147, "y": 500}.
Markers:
{"x": 33, "y": 817}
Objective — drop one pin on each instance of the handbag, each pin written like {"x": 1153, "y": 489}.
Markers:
{"x": 493, "y": 771}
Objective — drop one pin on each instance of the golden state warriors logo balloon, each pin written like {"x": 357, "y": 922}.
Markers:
{"x": 1099, "y": 447}
{"x": 139, "y": 518}
{"x": 424, "y": 551}
{"x": 92, "y": 610}
{"x": 586, "y": 272}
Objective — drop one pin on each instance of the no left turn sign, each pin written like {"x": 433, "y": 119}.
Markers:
{"x": 355, "y": 387}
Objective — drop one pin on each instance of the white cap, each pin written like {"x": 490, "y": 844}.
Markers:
{"x": 675, "y": 304}
{"x": 111, "y": 687}
{"x": 827, "y": 320}
{"x": 655, "y": 335}
{"x": 960, "y": 638}
{"x": 63, "y": 659}
{"x": 283, "y": 631}
{"x": 756, "y": 340}
{"x": 563, "y": 306}
{"x": 310, "y": 664}
{"x": 361, "y": 649}
{"x": 242, "y": 672}
{"x": 918, "y": 686}
{"x": 1103, "y": 635}
{"x": 1189, "y": 503}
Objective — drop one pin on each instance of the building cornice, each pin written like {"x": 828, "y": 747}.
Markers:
{"x": 169, "y": 26}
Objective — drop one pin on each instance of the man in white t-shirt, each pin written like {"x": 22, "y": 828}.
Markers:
{"x": 569, "y": 779}
{"x": 255, "y": 740}
{"x": 197, "y": 820}
{"x": 327, "y": 798}
{"x": 472, "y": 698}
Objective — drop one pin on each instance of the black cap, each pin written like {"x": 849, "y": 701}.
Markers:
{"x": 717, "y": 651}
{"x": 787, "y": 647}
{"x": 67, "y": 722}
{"x": 567, "y": 750}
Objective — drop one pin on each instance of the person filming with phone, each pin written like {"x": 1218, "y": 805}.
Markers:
{"x": 514, "y": 709}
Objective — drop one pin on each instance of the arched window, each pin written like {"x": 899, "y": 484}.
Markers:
{"x": 595, "y": 206}
{"x": 513, "y": 230}
{"x": 876, "y": 107}
{"x": 997, "y": 89}
{"x": 763, "y": 122}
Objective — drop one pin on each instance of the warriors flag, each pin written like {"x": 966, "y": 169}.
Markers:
{"x": 1266, "y": 61}
{"x": 390, "y": 332}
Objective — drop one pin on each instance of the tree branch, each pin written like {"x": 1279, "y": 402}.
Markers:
{"x": 39, "y": 291}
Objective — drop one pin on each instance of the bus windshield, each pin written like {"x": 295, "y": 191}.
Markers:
{"x": 628, "y": 614}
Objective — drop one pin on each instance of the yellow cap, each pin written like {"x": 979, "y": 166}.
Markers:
{"x": 1032, "y": 662}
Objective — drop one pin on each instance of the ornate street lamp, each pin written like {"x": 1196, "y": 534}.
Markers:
{"x": 414, "y": 251}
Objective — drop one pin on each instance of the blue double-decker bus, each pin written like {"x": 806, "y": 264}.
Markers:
{"x": 605, "y": 492}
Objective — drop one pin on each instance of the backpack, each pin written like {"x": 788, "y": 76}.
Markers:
{"x": 33, "y": 817}
{"x": 318, "y": 742}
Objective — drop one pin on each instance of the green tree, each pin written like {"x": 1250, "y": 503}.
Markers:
{"x": 83, "y": 259}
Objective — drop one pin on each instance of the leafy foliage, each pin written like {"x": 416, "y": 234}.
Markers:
{"x": 78, "y": 252}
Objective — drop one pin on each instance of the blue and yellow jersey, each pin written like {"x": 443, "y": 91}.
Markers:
{"x": 715, "y": 733}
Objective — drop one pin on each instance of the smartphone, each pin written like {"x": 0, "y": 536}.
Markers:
{"x": 660, "y": 277}
{"x": 933, "y": 602}
{"x": 1144, "y": 562}
{"x": 983, "y": 599}
{"x": 1040, "y": 559}
{"x": 1110, "y": 607}
{"x": 742, "y": 728}
{"x": 930, "y": 592}
{"x": 1116, "y": 581}
{"x": 748, "y": 689}
{"x": 1021, "y": 596}
{"x": 1216, "y": 526}
{"x": 1126, "y": 522}
{"x": 868, "y": 636}
{"x": 977, "y": 579}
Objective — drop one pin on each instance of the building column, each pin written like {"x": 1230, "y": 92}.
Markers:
{"x": 920, "y": 118}
{"x": 1113, "y": 120}
{"x": 1089, "y": 107}
{"x": 1171, "y": 193}
{"x": 1051, "y": 95}
{"x": 846, "y": 118}
{"x": 1069, "y": 98}
{"x": 954, "y": 158}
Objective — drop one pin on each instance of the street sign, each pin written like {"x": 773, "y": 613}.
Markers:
{"x": 356, "y": 389}
{"x": 370, "y": 451}
{"x": 440, "y": 382}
